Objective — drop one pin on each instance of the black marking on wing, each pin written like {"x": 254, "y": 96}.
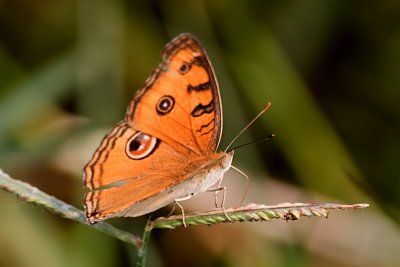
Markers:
{"x": 204, "y": 126}
{"x": 200, "y": 109}
{"x": 197, "y": 60}
{"x": 207, "y": 131}
{"x": 186, "y": 66}
{"x": 200, "y": 87}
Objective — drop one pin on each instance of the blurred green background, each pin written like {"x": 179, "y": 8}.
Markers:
{"x": 330, "y": 68}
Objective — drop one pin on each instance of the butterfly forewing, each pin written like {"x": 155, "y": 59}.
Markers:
{"x": 186, "y": 75}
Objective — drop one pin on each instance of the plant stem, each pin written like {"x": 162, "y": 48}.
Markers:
{"x": 31, "y": 194}
{"x": 142, "y": 252}
{"x": 254, "y": 212}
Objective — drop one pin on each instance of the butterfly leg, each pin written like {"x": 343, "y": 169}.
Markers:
{"x": 223, "y": 199}
{"x": 180, "y": 206}
{"x": 217, "y": 191}
{"x": 172, "y": 210}
{"x": 247, "y": 183}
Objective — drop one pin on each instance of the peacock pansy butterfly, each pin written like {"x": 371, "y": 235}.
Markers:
{"x": 165, "y": 148}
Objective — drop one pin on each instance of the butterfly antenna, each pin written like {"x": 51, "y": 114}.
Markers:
{"x": 271, "y": 136}
{"x": 248, "y": 125}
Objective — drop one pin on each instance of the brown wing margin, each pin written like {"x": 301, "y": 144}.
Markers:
{"x": 185, "y": 40}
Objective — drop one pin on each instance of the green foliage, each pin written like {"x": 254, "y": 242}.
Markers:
{"x": 330, "y": 69}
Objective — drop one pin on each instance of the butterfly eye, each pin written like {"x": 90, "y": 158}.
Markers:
{"x": 185, "y": 67}
{"x": 141, "y": 145}
{"x": 165, "y": 105}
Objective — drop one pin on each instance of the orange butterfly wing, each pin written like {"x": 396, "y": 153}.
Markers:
{"x": 186, "y": 75}
{"x": 170, "y": 133}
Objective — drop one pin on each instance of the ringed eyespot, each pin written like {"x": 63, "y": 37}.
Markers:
{"x": 185, "y": 67}
{"x": 140, "y": 145}
{"x": 165, "y": 105}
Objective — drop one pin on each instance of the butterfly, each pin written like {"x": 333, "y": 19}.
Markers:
{"x": 165, "y": 148}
